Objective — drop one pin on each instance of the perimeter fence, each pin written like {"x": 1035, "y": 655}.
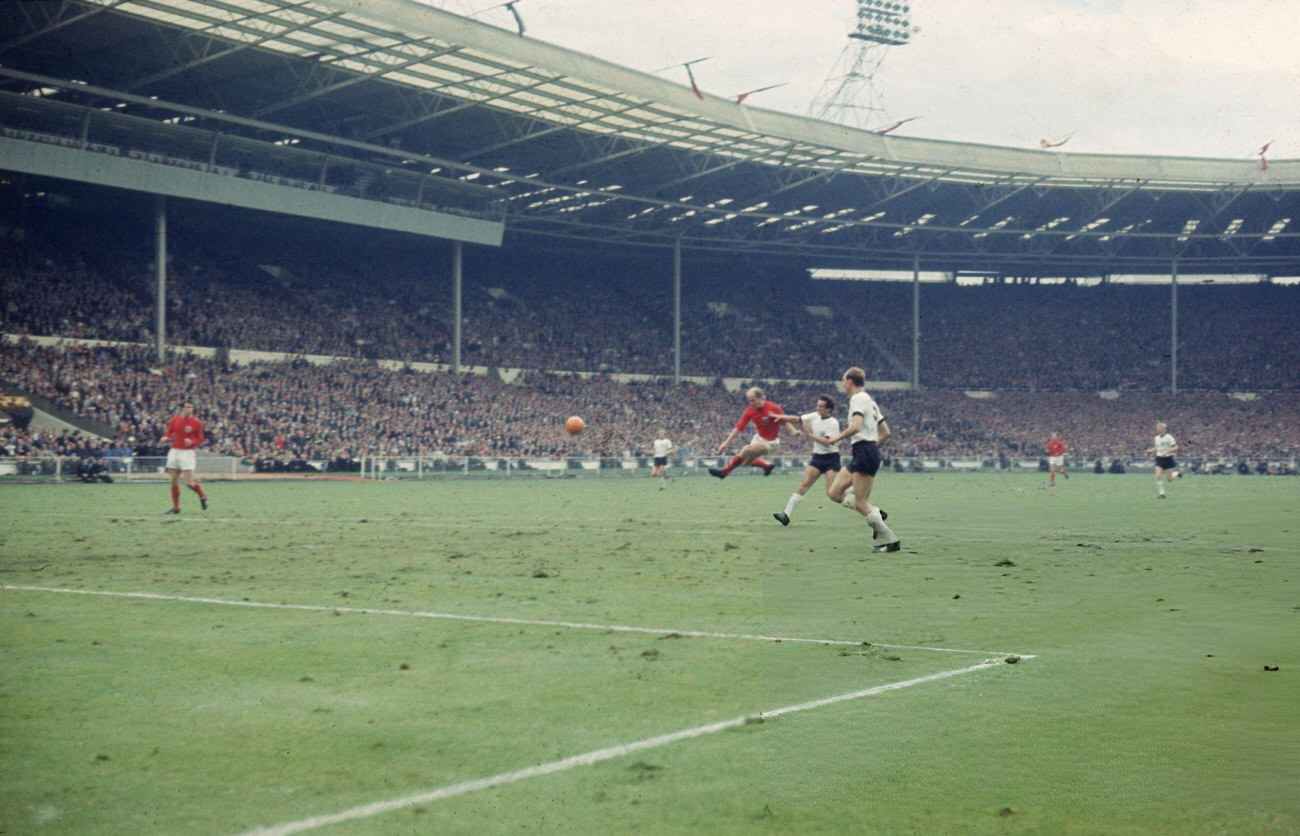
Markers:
{"x": 109, "y": 469}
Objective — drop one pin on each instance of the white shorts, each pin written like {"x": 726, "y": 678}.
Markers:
{"x": 770, "y": 448}
{"x": 181, "y": 459}
{"x": 1056, "y": 461}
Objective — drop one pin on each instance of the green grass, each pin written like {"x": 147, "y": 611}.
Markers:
{"x": 1146, "y": 707}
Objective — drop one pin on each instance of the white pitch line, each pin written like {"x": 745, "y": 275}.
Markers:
{"x": 588, "y": 758}
{"x": 493, "y": 619}
{"x": 579, "y": 523}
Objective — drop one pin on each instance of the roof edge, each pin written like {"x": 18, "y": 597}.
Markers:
{"x": 934, "y": 155}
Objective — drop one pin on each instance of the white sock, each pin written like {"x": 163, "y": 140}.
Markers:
{"x": 877, "y": 524}
{"x": 794, "y": 500}
{"x": 850, "y": 499}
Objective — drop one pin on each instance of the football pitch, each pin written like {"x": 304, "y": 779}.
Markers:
{"x": 595, "y": 655}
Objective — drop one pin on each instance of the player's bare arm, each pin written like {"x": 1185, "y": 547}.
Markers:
{"x": 794, "y": 423}
{"x": 855, "y": 425}
{"x": 882, "y": 432}
{"x": 803, "y": 429}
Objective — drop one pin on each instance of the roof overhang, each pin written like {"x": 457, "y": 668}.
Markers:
{"x": 574, "y": 147}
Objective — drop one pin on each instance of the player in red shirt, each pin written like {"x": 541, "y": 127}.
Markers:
{"x": 185, "y": 434}
{"x": 1056, "y": 459}
{"x": 767, "y": 435}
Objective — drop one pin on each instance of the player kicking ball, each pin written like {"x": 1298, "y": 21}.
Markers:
{"x": 765, "y": 416}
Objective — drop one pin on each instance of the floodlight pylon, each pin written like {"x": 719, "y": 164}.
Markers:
{"x": 849, "y": 94}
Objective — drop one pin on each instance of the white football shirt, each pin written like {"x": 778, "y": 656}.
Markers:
{"x": 1164, "y": 443}
{"x": 825, "y": 427}
{"x": 862, "y": 404}
{"x": 662, "y": 446}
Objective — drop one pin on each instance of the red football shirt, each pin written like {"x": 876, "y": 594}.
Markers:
{"x": 185, "y": 433}
{"x": 1056, "y": 447}
{"x": 765, "y": 424}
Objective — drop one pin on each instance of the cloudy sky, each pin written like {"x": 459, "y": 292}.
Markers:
{"x": 1211, "y": 78}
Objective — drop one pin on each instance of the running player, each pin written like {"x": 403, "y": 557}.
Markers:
{"x": 1164, "y": 447}
{"x": 820, "y": 423}
{"x": 868, "y": 430}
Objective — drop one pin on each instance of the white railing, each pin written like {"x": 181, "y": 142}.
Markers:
{"x": 115, "y": 468}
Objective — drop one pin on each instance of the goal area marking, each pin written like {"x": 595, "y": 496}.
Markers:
{"x": 588, "y": 758}
{"x": 493, "y": 619}
{"x": 595, "y": 756}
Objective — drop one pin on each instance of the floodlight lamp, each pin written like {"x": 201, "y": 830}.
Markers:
{"x": 883, "y": 22}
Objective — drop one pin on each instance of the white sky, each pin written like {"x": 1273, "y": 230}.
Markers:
{"x": 1210, "y": 78}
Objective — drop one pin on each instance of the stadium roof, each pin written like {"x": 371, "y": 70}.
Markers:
{"x": 566, "y": 145}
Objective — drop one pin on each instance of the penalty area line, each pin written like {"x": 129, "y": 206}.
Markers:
{"x": 593, "y": 757}
{"x": 492, "y": 619}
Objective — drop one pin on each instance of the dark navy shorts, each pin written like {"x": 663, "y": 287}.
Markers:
{"x": 661, "y": 461}
{"x": 1165, "y": 462}
{"x": 866, "y": 458}
{"x": 825, "y": 461}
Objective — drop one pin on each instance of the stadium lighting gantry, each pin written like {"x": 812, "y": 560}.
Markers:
{"x": 883, "y": 22}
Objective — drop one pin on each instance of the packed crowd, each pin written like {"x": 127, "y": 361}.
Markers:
{"x": 592, "y": 318}
{"x": 1047, "y": 351}
{"x": 352, "y": 408}
{"x": 297, "y": 411}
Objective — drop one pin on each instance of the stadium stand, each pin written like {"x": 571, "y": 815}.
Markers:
{"x": 1042, "y": 352}
{"x": 751, "y": 325}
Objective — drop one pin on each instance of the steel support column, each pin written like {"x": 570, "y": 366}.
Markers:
{"x": 677, "y": 311}
{"x": 160, "y": 275}
{"x": 1173, "y": 327}
{"x": 916, "y": 321}
{"x": 457, "y": 265}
